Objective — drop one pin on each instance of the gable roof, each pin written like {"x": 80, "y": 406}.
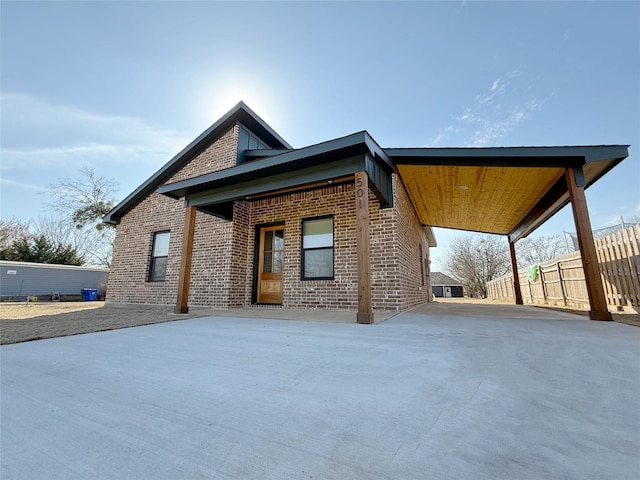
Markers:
{"x": 240, "y": 113}
{"x": 505, "y": 190}
{"x": 439, "y": 278}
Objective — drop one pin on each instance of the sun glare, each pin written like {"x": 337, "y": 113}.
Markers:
{"x": 220, "y": 94}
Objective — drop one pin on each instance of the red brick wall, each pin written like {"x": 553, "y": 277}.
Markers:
{"x": 341, "y": 292}
{"x": 223, "y": 253}
{"x": 210, "y": 277}
{"x": 395, "y": 236}
{"x": 409, "y": 237}
{"x": 219, "y": 155}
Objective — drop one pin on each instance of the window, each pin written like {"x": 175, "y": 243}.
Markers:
{"x": 317, "y": 248}
{"x": 421, "y": 266}
{"x": 159, "y": 255}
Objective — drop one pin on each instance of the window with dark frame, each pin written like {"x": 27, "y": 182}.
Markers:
{"x": 317, "y": 248}
{"x": 159, "y": 256}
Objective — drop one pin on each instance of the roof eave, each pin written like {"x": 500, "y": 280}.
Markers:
{"x": 239, "y": 113}
{"x": 596, "y": 164}
{"x": 344, "y": 147}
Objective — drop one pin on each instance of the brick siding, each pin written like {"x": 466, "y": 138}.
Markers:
{"x": 223, "y": 251}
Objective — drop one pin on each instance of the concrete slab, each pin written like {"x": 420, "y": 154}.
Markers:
{"x": 278, "y": 313}
{"x": 422, "y": 395}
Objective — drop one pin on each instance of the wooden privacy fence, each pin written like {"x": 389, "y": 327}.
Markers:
{"x": 561, "y": 281}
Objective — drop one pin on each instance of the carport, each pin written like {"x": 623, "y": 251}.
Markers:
{"x": 506, "y": 190}
{"x": 509, "y": 191}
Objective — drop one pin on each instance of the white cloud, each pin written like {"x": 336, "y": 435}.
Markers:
{"x": 37, "y": 133}
{"x": 29, "y": 186}
{"x": 492, "y": 114}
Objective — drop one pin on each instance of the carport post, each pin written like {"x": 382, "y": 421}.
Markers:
{"x": 597, "y": 301}
{"x": 365, "y": 311}
{"x": 514, "y": 271}
{"x": 182, "y": 302}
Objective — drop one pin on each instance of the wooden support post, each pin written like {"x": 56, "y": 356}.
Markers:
{"x": 365, "y": 310}
{"x": 182, "y": 302}
{"x": 597, "y": 301}
{"x": 514, "y": 271}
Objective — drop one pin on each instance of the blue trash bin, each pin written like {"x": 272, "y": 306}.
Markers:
{"x": 89, "y": 294}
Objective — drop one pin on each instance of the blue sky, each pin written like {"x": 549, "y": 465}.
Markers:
{"x": 123, "y": 86}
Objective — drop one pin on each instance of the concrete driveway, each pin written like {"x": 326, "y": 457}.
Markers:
{"x": 526, "y": 394}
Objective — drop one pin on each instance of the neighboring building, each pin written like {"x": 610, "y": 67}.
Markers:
{"x": 443, "y": 286}
{"x": 240, "y": 218}
{"x": 19, "y": 280}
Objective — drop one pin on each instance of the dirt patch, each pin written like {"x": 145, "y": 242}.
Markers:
{"x": 22, "y": 323}
{"x": 22, "y": 310}
{"x": 19, "y": 323}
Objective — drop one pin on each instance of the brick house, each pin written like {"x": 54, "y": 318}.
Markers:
{"x": 283, "y": 233}
{"x": 239, "y": 218}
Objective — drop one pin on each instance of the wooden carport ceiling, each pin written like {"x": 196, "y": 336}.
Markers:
{"x": 481, "y": 199}
{"x": 506, "y": 190}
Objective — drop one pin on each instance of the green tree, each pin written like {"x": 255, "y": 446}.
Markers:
{"x": 41, "y": 250}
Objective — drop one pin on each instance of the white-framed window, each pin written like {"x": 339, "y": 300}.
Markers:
{"x": 317, "y": 248}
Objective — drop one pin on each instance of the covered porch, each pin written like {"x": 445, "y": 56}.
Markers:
{"x": 507, "y": 191}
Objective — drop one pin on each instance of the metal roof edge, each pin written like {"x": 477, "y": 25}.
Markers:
{"x": 176, "y": 189}
{"x": 52, "y": 265}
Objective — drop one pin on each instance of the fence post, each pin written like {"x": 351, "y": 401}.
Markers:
{"x": 634, "y": 257}
{"x": 561, "y": 281}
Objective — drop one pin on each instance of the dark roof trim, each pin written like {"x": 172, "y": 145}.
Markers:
{"x": 240, "y": 113}
{"x": 259, "y": 186}
{"x": 251, "y": 155}
{"x": 557, "y": 197}
{"x": 563, "y": 157}
{"x": 341, "y": 148}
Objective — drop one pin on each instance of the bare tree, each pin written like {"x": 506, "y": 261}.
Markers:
{"x": 12, "y": 230}
{"x": 532, "y": 251}
{"x": 81, "y": 203}
{"x": 84, "y": 200}
{"x": 476, "y": 260}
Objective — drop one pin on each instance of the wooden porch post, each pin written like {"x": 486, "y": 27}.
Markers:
{"x": 597, "y": 301}
{"x": 182, "y": 302}
{"x": 365, "y": 310}
{"x": 514, "y": 270}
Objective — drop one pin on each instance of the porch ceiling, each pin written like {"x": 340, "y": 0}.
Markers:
{"x": 482, "y": 199}
{"x": 509, "y": 191}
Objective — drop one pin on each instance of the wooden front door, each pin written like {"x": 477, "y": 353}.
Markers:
{"x": 270, "y": 262}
